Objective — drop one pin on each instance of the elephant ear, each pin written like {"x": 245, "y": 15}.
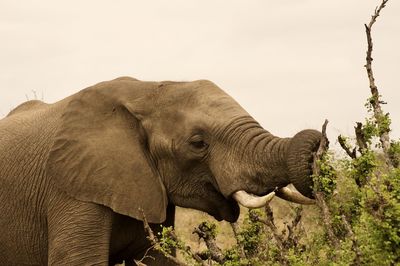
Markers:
{"x": 100, "y": 155}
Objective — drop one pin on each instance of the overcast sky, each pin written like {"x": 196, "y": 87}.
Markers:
{"x": 291, "y": 64}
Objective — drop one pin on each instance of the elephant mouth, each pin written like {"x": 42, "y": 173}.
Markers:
{"x": 222, "y": 208}
{"x": 229, "y": 211}
{"x": 212, "y": 202}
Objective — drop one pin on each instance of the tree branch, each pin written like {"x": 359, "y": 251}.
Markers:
{"x": 235, "y": 229}
{"x": 326, "y": 217}
{"x": 214, "y": 252}
{"x": 323, "y": 147}
{"x": 155, "y": 242}
{"x": 346, "y": 148}
{"x": 269, "y": 222}
{"x": 361, "y": 142}
{"x": 356, "y": 249}
{"x": 319, "y": 196}
{"x": 292, "y": 238}
{"x": 375, "y": 99}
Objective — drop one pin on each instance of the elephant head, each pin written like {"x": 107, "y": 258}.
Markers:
{"x": 135, "y": 146}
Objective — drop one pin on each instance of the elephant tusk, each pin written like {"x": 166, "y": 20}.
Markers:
{"x": 294, "y": 196}
{"x": 251, "y": 201}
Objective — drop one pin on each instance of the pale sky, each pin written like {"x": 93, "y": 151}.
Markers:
{"x": 290, "y": 64}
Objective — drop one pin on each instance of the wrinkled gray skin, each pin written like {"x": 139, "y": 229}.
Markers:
{"x": 77, "y": 176}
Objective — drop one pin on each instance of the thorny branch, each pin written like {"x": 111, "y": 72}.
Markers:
{"x": 375, "y": 101}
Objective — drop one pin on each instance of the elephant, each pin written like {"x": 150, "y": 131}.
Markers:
{"x": 79, "y": 176}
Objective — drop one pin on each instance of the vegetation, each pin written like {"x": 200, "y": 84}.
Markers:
{"x": 357, "y": 206}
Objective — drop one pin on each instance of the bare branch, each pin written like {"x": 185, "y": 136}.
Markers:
{"x": 346, "y": 148}
{"x": 376, "y": 13}
{"x": 150, "y": 234}
{"x": 375, "y": 99}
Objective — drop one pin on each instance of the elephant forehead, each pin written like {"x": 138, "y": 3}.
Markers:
{"x": 195, "y": 104}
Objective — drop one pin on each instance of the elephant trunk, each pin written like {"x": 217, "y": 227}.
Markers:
{"x": 300, "y": 159}
{"x": 281, "y": 161}
{"x": 262, "y": 164}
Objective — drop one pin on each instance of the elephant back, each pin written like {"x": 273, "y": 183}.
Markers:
{"x": 29, "y": 106}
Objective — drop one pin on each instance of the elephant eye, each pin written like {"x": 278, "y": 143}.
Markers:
{"x": 199, "y": 144}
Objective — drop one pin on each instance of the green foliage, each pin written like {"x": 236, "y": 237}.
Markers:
{"x": 394, "y": 153}
{"x": 249, "y": 240}
{"x": 168, "y": 242}
{"x": 210, "y": 228}
{"x": 363, "y": 166}
{"x": 250, "y": 235}
{"x": 326, "y": 180}
{"x": 376, "y": 124}
{"x": 378, "y": 226}
{"x": 368, "y": 199}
